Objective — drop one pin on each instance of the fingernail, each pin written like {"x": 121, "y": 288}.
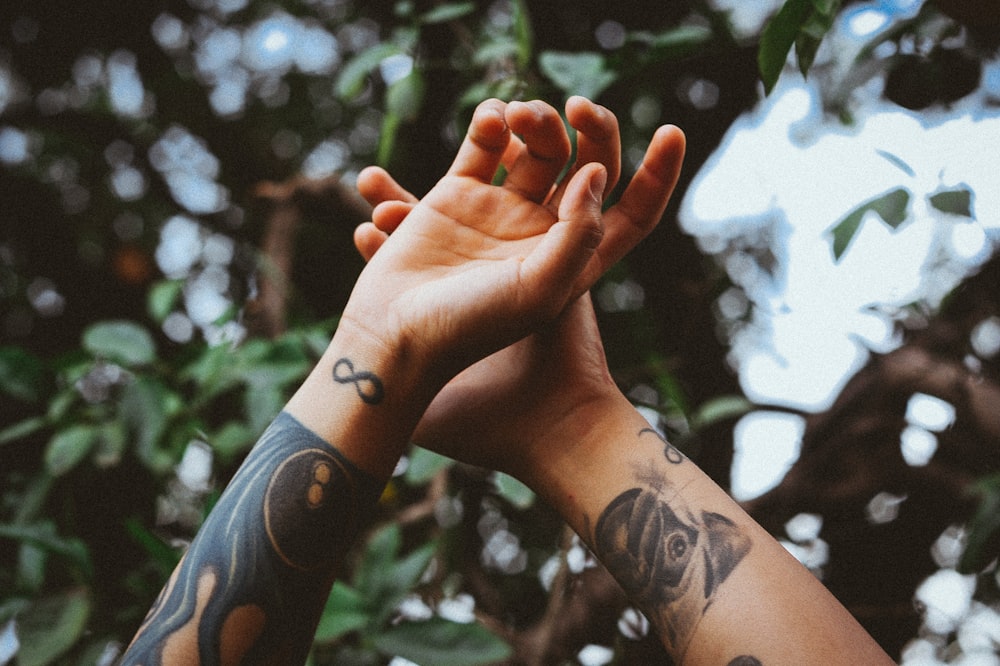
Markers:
{"x": 597, "y": 183}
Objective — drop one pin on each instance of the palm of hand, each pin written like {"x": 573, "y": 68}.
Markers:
{"x": 495, "y": 412}
{"x": 475, "y": 267}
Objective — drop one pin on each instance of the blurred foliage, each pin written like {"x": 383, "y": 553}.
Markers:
{"x": 113, "y": 371}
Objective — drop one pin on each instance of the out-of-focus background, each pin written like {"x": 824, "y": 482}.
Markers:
{"x": 816, "y": 321}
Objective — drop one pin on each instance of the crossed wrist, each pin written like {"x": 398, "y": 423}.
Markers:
{"x": 404, "y": 367}
{"x": 364, "y": 397}
{"x": 577, "y": 442}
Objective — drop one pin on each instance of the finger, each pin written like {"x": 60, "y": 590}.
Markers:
{"x": 376, "y": 186}
{"x": 642, "y": 204}
{"x": 368, "y": 239}
{"x": 551, "y": 271}
{"x": 598, "y": 137}
{"x": 488, "y": 136}
{"x": 514, "y": 150}
{"x": 547, "y": 148}
{"x": 388, "y": 215}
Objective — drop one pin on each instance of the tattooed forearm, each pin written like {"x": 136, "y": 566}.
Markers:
{"x": 253, "y": 583}
{"x": 671, "y": 561}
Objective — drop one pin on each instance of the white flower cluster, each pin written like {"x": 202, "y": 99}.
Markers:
{"x": 240, "y": 62}
{"x": 957, "y": 629}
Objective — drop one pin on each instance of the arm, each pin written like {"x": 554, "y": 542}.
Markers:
{"x": 716, "y": 586}
{"x": 474, "y": 268}
{"x": 712, "y": 582}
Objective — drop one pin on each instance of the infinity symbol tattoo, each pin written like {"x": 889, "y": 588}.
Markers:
{"x": 343, "y": 373}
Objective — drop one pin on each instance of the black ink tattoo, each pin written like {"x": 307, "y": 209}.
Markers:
{"x": 343, "y": 373}
{"x": 265, "y": 556}
{"x": 670, "y": 561}
{"x": 670, "y": 452}
{"x": 745, "y": 660}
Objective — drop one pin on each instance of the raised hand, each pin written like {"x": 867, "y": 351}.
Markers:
{"x": 497, "y": 412}
{"x": 532, "y": 170}
{"x": 717, "y": 588}
{"x": 473, "y": 267}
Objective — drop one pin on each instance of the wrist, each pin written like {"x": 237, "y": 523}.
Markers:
{"x": 364, "y": 397}
{"x": 585, "y": 461}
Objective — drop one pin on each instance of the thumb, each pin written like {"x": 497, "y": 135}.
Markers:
{"x": 568, "y": 245}
{"x": 584, "y": 197}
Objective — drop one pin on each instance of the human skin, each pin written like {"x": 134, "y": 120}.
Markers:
{"x": 474, "y": 268}
{"x": 715, "y": 585}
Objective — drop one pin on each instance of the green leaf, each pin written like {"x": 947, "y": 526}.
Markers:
{"x": 524, "y": 35}
{"x": 212, "y": 373}
{"x": 146, "y": 407}
{"x": 983, "y": 543}
{"x": 43, "y": 535}
{"x": 495, "y": 50}
{"x": 12, "y": 607}
{"x": 447, "y": 12}
{"x": 777, "y": 38}
{"x": 161, "y": 554}
{"x": 676, "y": 42}
{"x": 891, "y": 207}
{"x": 120, "y": 341}
{"x": 233, "y": 439}
{"x": 812, "y": 32}
{"x": 380, "y": 552}
{"x": 351, "y": 80}
{"x": 405, "y": 97}
{"x": 31, "y": 561}
{"x": 403, "y": 576}
{"x": 387, "y": 139}
{"x": 111, "y": 444}
{"x": 263, "y": 363}
{"x": 22, "y": 429}
{"x": 162, "y": 298}
{"x": 381, "y": 579}
{"x": 519, "y": 495}
{"x": 719, "y": 409}
{"x": 583, "y": 74}
{"x": 669, "y": 386}
{"x": 61, "y": 402}
{"x": 441, "y": 642}
{"x": 345, "y": 612}
{"x": 68, "y": 447}
{"x": 31, "y": 501}
{"x": 50, "y": 627}
{"x": 22, "y": 375}
{"x": 314, "y": 339}
{"x": 424, "y": 466}
{"x": 955, "y": 202}
{"x": 262, "y": 404}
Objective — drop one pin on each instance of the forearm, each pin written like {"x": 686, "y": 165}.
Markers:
{"x": 252, "y": 585}
{"x": 714, "y": 584}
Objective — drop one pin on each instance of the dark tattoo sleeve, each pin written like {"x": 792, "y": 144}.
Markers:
{"x": 670, "y": 560}
{"x": 253, "y": 583}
